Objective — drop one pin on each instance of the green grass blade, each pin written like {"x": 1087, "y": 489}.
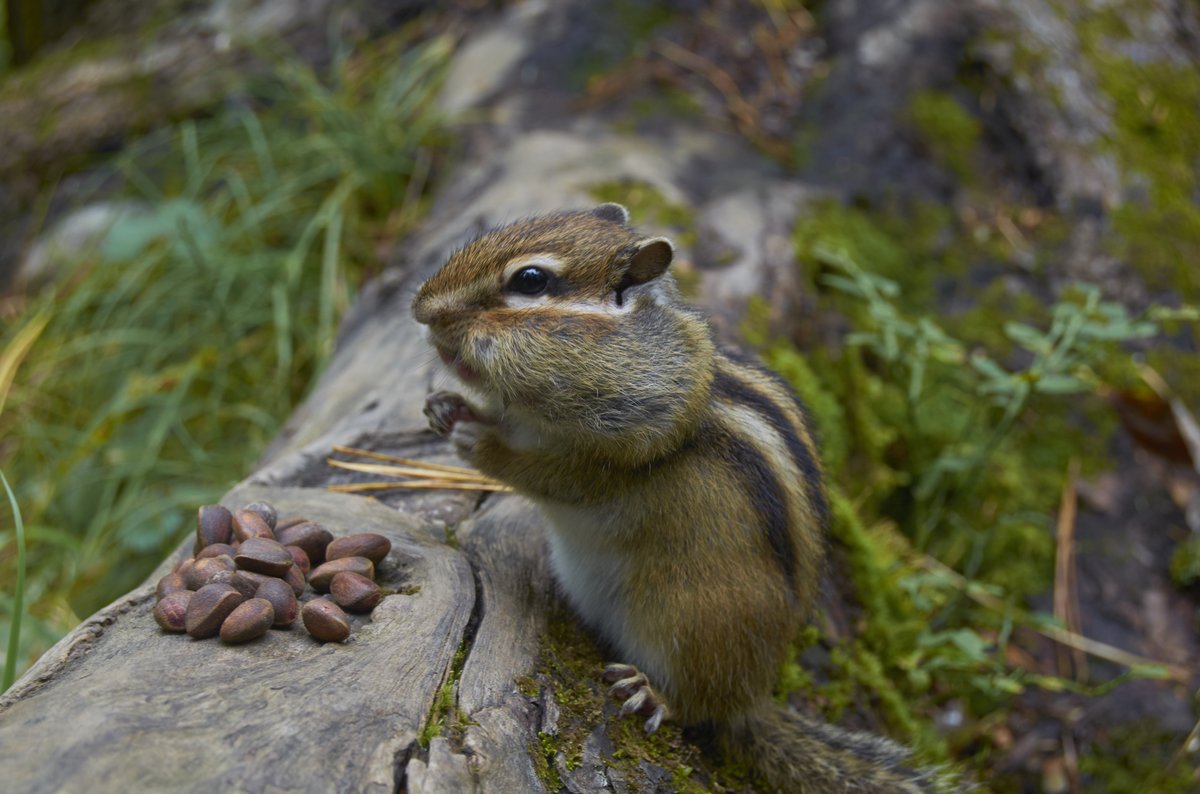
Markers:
{"x": 18, "y": 606}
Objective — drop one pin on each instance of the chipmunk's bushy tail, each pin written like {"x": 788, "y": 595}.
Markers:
{"x": 799, "y": 755}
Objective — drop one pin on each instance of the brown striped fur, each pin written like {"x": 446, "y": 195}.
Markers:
{"x": 682, "y": 484}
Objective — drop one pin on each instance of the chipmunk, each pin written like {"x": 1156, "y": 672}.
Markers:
{"x": 681, "y": 483}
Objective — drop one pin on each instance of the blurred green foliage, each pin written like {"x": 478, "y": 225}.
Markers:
{"x": 948, "y": 130}
{"x": 1156, "y": 142}
{"x": 158, "y": 365}
{"x": 17, "y": 608}
{"x": 5, "y": 47}
{"x": 947, "y": 460}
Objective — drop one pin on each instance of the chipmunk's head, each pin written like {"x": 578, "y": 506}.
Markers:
{"x": 557, "y": 310}
{"x": 574, "y": 261}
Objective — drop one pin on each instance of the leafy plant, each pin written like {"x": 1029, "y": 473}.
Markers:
{"x": 1057, "y": 362}
{"x": 944, "y": 480}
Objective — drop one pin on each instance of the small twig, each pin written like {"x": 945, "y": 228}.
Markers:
{"x": 743, "y": 111}
{"x": 1190, "y": 745}
{"x": 447, "y": 485}
{"x": 745, "y": 115}
{"x": 366, "y": 453}
{"x": 1111, "y": 653}
{"x": 621, "y": 81}
{"x": 429, "y": 476}
{"x": 1096, "y": 648}
{"x": 1071, "y": 759}
{"x": 1011, "y": 233}
{"x": 1066, "y": 597}
{"x": 1185, "y": 423}
{"x": 407, "y": 471}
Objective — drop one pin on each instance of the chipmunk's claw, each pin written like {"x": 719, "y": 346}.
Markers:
{"x": 445, "y": 409}
{"x": 631, "y": 686}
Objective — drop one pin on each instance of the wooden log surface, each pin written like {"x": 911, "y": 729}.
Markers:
{"x": 120, "y": 705}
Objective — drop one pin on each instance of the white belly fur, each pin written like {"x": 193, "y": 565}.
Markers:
{"x": 591, "y": 570}
{"x": 587, "y": 567}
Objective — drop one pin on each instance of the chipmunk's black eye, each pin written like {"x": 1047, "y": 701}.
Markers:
{"x": 529, "y": 281}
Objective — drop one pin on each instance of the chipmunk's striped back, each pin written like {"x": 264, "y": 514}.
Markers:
{"x": 770, "y": 438}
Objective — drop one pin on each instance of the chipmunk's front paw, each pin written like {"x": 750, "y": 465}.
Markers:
{"x": 445, "y": 410}
{"x": 465, "y": 436}
{"x": 631, "y": 685}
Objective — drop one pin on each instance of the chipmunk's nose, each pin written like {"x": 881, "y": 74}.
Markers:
{"x": 421, "y": 312}
{"x": 430, "y": 310}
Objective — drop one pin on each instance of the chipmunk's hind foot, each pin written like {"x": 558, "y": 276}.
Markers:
{"x": 631, "y": 686}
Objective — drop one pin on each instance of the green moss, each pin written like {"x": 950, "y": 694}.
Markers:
{"x": 647, "y": 205}
{"x": 635, "y": 23}
{"x": 862, "y": 410}
{"x": 914, "y": 244}
{"x": 996, "y": 304}
{"x": 948, "y": 130}
{"x": 920, "y": 638}
{"x": 1156, "y": 141}
{"x": 1185, "y": 562}
{"x": 793, "y": 677}
{"x": 853, "y": 231}
{"x": 444, "y": 714}
{"x": 669, "y": 101}
{"x": 1136, "y": 758}
{"x": 569, "y": 670}
{"x": 544, "y": 761}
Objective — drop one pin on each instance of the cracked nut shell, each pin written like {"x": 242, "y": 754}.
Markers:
{"x": 216, "y": 550}
{"x": 240, "y": 581}
{"x": 202, "y": 571}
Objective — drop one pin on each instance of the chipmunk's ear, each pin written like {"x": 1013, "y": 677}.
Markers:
{"x": 612, "y": 212}
{"x": 651, "y": 260}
